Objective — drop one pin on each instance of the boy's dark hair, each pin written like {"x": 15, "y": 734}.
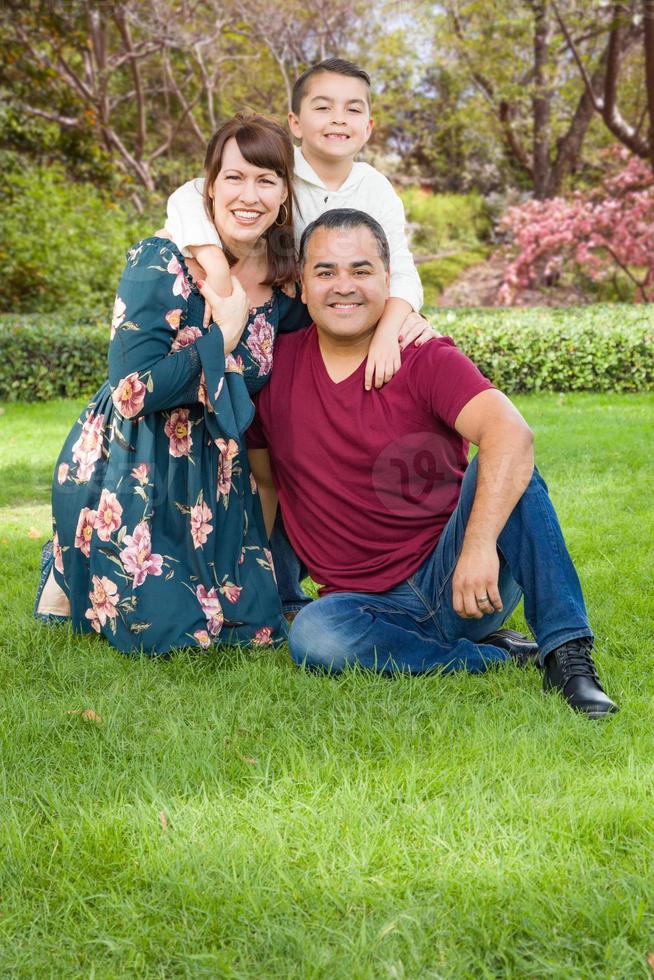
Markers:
{"x": 336, "y": 66}
{"x": 339, "y": 218}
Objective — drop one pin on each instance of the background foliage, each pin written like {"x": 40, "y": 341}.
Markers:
{"x": 63, "y": 243}
{"x": 481, "y": 112}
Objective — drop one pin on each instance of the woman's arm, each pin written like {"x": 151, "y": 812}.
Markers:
{"x": 146, "y": 374}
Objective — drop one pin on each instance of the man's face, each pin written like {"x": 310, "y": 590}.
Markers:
{"x": 334, "y": 117}
{"x": 344, "y": 282}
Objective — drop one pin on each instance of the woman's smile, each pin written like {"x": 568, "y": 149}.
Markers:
{"x": 246, "y": 217}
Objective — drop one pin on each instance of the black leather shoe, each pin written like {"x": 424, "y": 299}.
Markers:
{"x": 570, "y": 669}
{"x": 523, "y": 650}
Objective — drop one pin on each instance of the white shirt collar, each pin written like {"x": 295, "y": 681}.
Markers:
{"x": 305, "y": 171}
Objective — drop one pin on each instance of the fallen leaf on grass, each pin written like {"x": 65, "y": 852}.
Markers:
{"x": 33, "y": 533}
{"x": 163, "y": 819}
{"x": 650, "y": 961}
{"x": 88, "y": 715}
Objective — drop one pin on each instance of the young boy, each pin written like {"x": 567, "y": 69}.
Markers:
{"x": 330, "y": 115}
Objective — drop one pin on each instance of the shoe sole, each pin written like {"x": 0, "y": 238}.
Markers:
{"x": 593, "y": 715}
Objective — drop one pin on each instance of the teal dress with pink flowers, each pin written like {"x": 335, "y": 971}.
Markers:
{"x": 159, "y": 536}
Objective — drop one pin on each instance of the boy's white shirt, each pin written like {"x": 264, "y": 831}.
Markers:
{"x": 364, "y": 189}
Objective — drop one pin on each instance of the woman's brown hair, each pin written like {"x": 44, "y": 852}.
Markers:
{"x": 263, "y": 143}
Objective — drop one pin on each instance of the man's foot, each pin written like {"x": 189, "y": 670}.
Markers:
{"x": 570, "y": 669}
{"x": 523, "y": 650}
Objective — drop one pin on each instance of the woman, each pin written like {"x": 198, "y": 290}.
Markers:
{"x": 159, "y": 537}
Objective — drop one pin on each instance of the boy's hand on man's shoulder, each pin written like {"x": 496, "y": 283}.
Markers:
{"x": 416, "y": 329}
{"x": 383, "y": 361}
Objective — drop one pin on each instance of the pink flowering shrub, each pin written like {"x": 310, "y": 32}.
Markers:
{"x": 599, "y": 231}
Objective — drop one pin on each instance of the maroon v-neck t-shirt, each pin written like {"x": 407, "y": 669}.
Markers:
{"x": 366, "y": 479}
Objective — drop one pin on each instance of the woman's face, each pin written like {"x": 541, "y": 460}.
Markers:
{"x": 246, "y": 198}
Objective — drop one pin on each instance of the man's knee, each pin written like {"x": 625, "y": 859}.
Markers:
{"x": 315, "y": 640}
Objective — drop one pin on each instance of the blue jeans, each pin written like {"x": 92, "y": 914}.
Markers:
{"x": 289, "y": 570}
{"x": 413, "y": 628}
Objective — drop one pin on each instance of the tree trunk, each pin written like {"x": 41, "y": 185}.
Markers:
{"x": 648, "y": 34}
{"x": 541, "y": 102}
{"x": 569, "y": 146}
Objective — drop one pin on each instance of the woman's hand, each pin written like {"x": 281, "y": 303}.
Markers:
{"x": 229, "y": 312}
{"x": 416, "y": 329}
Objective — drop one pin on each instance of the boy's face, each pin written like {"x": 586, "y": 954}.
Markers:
{"x": 334, "y": 118}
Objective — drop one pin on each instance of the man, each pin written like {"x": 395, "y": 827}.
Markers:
{"x": 420, "y": 556}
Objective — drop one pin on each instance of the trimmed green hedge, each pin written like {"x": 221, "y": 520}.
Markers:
{"x": 593, "y": 348}
{"x": 52, "y": 356}
{"x": 583, "y": 348}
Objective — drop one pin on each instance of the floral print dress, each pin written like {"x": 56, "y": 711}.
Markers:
{"x": 159, "y": 536}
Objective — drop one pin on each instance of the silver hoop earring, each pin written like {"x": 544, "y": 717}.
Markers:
{"x": 285, "y": 218}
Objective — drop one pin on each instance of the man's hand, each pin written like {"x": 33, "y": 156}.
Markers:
{"x": 475, "y": 589}
{"x": 230, "y": 313}
{"x": 416, "y": 329}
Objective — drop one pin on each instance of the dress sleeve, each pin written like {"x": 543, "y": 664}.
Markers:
{"x": 145, "y": 374}
{"x": 293, "y": 314}
{"x": 187, "y": 220}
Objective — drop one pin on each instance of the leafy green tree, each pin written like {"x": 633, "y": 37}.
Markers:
{"x": 627, "y": 24}
{"x": 517, "y": 58}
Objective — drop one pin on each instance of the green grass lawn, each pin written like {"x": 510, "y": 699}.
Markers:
{"x": 233, "y": 817}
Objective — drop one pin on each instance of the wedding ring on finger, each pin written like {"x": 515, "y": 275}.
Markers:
{"x": 481, "y": 599}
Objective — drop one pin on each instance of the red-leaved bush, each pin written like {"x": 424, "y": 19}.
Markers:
{"x": 599, "y": 230}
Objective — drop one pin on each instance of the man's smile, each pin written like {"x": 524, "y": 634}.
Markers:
{"x": 344, "y": 307}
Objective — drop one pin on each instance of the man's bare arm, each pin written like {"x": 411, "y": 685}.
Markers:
{"x": 505, "y": 466}
{"x": 262, "y": 473}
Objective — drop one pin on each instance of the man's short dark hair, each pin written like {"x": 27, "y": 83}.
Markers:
{"x": 340, "y": 218}
{"x": 336, "y": 66}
